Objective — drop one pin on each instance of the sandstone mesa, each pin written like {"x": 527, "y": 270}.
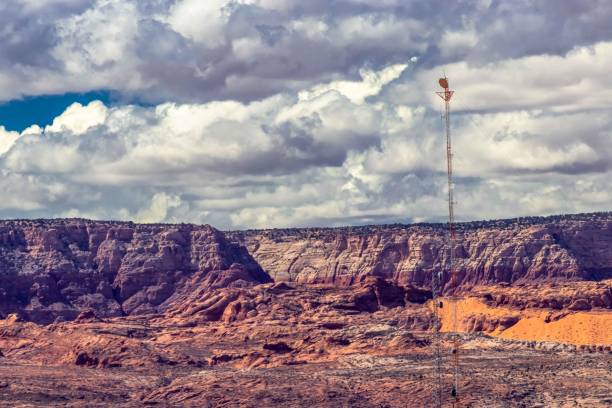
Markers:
{"x": 191, "y": 316}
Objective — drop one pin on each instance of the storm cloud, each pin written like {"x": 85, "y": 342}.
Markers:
{"x": 269, "y": 113}
{"x": 197, "y": 51}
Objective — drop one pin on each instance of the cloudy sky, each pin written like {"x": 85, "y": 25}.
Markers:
{"x": 274, "y": 113}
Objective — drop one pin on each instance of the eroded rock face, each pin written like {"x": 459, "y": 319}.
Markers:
{"x": 53, "y": 270}
{"x": 573, "y": 247}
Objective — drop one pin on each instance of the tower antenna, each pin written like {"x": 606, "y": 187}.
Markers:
{"x": 437, "y": 277}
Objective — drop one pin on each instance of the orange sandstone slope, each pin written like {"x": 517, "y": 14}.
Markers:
{"x": 569, "y": 327}
{"x": 524, "y": 313}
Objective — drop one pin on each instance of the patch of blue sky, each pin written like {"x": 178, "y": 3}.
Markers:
{"x": 17, "y": 115}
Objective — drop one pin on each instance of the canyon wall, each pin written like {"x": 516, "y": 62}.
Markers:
{"x": 574, "y": 247}
{"x": 56, "y": 269}
{"x": 59, "y": 268}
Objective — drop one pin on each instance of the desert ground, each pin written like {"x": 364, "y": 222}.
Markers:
{"x": 306, "y": 346}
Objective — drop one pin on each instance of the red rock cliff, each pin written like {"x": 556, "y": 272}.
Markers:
{"x": 59, "y": 268}
{"x": 575, "y": 247}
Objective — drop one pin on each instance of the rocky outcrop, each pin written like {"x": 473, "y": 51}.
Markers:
{"x": 57, "y": 269}
{"x": 54, "y": 270}
{"x": 576, "y": 247}
{"x": 585, "y": 295}
{"x": 237, "y": 304}
{"x": 375, "y": 293}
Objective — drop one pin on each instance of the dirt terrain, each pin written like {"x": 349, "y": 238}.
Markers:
{"x": 296, "y": 345}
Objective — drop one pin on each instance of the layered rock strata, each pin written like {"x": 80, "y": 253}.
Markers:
{"x": 56, "y": 269}
{"x": 560, "y": 248}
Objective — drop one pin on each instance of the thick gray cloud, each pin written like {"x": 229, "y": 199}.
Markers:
{"x": 268, "y": 113}
{"x": 197, "y": 51}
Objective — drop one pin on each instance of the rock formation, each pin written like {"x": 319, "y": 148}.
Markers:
{"x": 577, "y": 247}
{"x": 56, "y": 269}
{"x": 120, "y": 314}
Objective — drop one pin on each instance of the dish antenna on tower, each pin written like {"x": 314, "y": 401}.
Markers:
{"x": 447, "y": 94}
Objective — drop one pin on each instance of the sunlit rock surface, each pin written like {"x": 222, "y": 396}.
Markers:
{"x": 576, "y": 247}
